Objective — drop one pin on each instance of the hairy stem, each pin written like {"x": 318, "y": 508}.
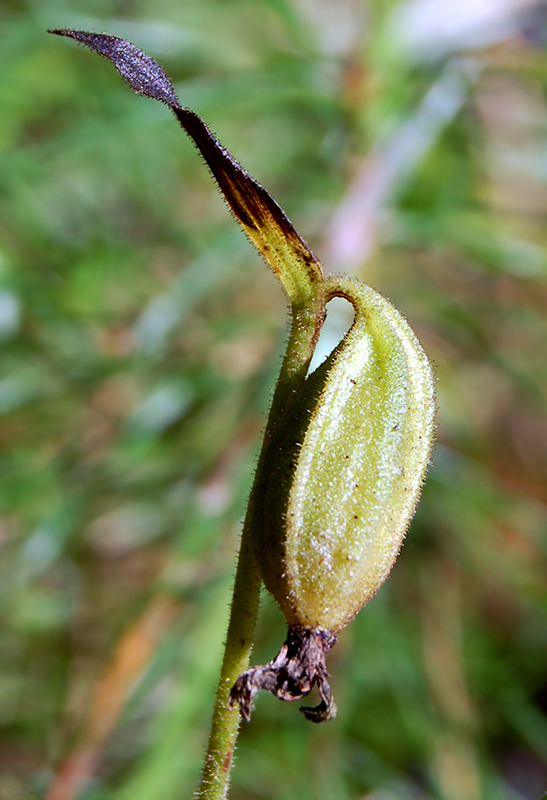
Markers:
{"x": 239, "y": 644}
{"x": 306, "y": 324}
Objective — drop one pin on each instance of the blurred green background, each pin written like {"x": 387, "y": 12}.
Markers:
{"x": 141, "y": 336}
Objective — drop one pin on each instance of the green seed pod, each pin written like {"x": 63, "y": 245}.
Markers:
{"x": 333, "y": 499}
{"x": 352, "y": 452}
{"x": 345, "y": 450}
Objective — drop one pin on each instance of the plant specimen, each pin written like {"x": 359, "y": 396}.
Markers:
{"x": 344, "y": 455}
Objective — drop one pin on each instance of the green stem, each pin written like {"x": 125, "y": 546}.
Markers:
{"x": 239, "y": 644}
{"x": 306, "y": 324}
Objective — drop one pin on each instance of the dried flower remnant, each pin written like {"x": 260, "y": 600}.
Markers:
{"x": 262, "y": 219}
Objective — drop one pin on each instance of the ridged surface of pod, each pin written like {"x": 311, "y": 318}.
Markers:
{"x": 349, "y": 459}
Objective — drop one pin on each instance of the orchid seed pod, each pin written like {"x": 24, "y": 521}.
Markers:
{"x": 331, "y": 510}
{"x": 345, "y": 449}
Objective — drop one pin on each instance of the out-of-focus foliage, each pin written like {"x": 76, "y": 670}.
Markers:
{"x": 140, "y": 340}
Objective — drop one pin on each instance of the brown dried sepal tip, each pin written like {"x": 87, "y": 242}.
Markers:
{"x": 298, "y": 667}
{"x": 262, "y": 219}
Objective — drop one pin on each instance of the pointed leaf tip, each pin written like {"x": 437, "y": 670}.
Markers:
{"x": 141, "y": 72}
{"x": 263, "y": 220}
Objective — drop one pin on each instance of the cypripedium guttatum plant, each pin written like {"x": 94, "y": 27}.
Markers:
{"x": 344, "y": 455}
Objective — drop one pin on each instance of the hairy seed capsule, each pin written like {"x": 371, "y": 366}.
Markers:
{"x": 345, "y": 468}
{"x": 344, "y": 455}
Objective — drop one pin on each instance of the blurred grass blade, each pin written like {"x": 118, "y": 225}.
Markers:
{"x": 262, "y": 219}
{"x": 134, "y": 651}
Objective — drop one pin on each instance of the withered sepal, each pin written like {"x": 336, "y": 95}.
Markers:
{"x": 297, "y": 668}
